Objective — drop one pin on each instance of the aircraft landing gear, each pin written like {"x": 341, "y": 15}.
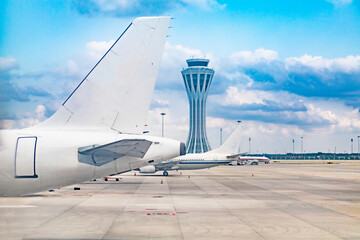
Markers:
{"x": 165, "y": 173}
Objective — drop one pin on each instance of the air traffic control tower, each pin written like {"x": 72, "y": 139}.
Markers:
{"x": 197, "y": 79}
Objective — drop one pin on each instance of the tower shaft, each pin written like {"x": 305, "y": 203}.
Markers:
{"x": 197, "y": 79}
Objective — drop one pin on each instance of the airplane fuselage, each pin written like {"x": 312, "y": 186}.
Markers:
{"x": 189, "y": 162}
{"x": 200, "y": 161}
{"x": 33, "y": 160}
{"x": 198, "y": 164}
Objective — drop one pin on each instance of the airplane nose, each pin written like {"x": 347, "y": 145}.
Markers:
{"x": 182, "y": 149}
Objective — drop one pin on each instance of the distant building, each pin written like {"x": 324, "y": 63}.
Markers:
{"x": 197, "y": 79}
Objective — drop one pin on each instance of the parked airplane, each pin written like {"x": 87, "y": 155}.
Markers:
{"x": 253, "y": 160}
{"x": 222, "y": 155}
{"x": 95, "y": 132}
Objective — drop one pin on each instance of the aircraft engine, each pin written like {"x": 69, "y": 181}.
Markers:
{"x": 147, "y": 169}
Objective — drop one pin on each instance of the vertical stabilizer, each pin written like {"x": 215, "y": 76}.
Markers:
{"x": 231, "y": 144}
{"x": 117, "y": 92}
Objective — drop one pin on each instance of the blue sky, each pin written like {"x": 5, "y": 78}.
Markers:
{"x": 286, "y": 68}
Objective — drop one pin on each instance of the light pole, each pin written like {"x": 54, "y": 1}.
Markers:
{"x": 249, "y": 145}
{"x": 352, "y": 146}
{"x": 293, "y": 146}
{"x": 162, "y": 123}
{"x": 220, "y": 136}
{"x": 239, "y": 121}
{"x": 302, "y": 147}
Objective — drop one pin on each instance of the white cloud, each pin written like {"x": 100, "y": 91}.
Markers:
{"x": 349, "y": 121}
{"x": 25, "y": 120}
{"x": 8, "y": 63}
{"x": 339, "y": 3}
{"x": 205, "y": 4}
{"x": 72, "y": 68}
{"x": 349, "y": 64}
{"x": 40, "y": 112}
{"x": 7, "y": 124}
{"x": 98, "y": 49}
{"x": 111, "y": 5}
{"x": 175, "y": 56}
{"x": 213, "y": 122}
{"x": 279, "y": 108}
{"x": 159, "y": 103}
{"x": 63, "y": 79}
{"x": 176, "y": 125}
{"x": 235, "y": 96}
{"x": 123, "y": 8}
{"x": 246, "y": 58}
{"x": 162, "y": 102}
{"x": 316, "y": 114}
{"x": 32, "y": 118}
{"x": 325, "y": 114}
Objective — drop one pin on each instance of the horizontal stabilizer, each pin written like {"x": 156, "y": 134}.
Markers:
{"x": 235, "y": 155}
{"x": 100, "y": 155}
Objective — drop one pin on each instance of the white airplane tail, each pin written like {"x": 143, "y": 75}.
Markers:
{"x": 117, "y": 92}
{"x": 231, "y": 144}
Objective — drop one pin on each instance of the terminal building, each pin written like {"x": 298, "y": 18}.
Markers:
{"x": 197, "y": 79}
{"x": 313, "y": 156}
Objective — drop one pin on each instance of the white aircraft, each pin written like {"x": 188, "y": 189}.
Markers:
{"x": 253, "y": 160}
{"x": 222, "y": 155}
{"x": 96, "y": 131}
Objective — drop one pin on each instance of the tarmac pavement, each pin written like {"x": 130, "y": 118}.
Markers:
{"x": 272, "y": 201}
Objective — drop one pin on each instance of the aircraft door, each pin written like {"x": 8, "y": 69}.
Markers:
{"x": 25, "y": 157}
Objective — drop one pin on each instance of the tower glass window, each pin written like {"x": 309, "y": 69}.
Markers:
{"x": 188, "y": 80}
{"x": 207, "y": 81}
{"x": 195, "y": 81}
{"x": 202, "y": 77}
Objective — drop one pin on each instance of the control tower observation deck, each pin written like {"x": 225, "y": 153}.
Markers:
{"x": 197, "y": 79}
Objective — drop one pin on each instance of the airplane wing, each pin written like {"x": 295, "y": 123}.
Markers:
{"x": 100, "y": 155}
{"x": 116, "y": 93}
{"x": 235, "y": 155}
